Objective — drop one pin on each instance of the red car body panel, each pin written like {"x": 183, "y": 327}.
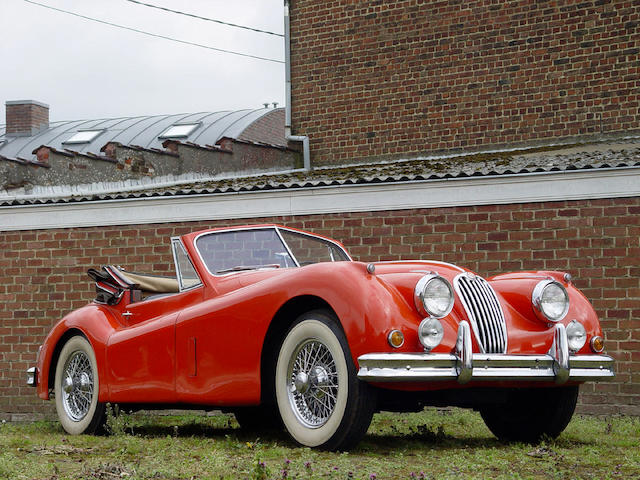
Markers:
{"x": 204, "y": 345}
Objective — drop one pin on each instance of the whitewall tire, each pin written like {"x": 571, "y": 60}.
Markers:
{"x": 76, "y": 388}
{"x": 321, "y": 401}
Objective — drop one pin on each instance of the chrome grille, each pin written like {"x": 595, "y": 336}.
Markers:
{"x": 484, "y": 311}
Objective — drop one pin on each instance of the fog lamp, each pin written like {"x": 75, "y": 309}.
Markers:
{"x": 597, "y": 344}
{"x": 395, "y": 338}
{"x": 576, "y": 335}
{"x": 430, "y": 333}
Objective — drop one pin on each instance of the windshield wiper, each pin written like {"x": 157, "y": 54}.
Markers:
{"x": 240, "y": 268}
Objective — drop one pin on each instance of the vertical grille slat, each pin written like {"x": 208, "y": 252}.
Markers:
{"x": 498, "y": 318}
{"x": 473, "y": 312}
{"x": 486, "y": 318}
{"x": 484, "y": 311}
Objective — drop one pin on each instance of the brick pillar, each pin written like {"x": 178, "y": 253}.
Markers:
{"x": 26, "y": 117}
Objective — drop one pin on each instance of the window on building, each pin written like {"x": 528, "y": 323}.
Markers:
{"x": 179, "y": 130}
{"x": 83, "y": 136}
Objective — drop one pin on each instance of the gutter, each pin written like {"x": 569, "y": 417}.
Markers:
{"x": 287, "y": 122}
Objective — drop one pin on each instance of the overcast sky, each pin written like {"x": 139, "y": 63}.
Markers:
{"x": 86, "y": 70}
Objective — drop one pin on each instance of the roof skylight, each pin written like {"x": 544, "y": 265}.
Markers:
{"x": 179, "y": 130}
{"x": 84, "y": 136}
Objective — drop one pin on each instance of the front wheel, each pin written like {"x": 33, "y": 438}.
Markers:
{"x": 532, "y": 413}
{"x": 76, "y": 388}
{"x": 321, "y": 401}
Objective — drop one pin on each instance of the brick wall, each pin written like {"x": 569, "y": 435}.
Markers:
{"x": 396, "y": 79}
{"x": 44, "y": 272}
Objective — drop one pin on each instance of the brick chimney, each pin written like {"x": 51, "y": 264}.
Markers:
{"x": 26, "y": 117}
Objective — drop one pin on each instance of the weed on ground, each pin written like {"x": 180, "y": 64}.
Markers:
{"x": 433, "y": 444}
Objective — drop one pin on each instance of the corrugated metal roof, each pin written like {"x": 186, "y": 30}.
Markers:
{"x": 142, "y": 131}
{"x": 604, "y": 155}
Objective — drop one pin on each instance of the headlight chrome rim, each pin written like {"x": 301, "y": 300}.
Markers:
{"x": 576, "y": 335}
{"x": 419, "y": 296}
{"x": 436, "y": 333}
{"x": 537, "y": 299}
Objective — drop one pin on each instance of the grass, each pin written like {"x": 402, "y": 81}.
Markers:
{"x": 427, "y": 445}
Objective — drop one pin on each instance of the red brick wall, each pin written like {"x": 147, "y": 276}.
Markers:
{"x": 396, "y": 79}
{"x": 44, "y": 272}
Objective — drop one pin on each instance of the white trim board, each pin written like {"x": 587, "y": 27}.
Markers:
{"x": 503, "y": 189}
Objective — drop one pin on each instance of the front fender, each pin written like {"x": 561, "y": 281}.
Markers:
{"x": 367, "y": 306}
{"x": 517, "y": 288}
{"x": 93, "y": 321}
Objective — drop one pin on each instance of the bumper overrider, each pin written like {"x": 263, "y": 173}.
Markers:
{"x": 558, "y": 365}
{"x": 32, "y": 377}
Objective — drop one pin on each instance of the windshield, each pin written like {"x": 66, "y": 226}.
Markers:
{"x": 237, "y": 250}
{"x": 307, "y": 249}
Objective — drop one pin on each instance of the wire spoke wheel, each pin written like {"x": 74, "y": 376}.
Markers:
{"x": 313, "y": 385}
{"x": 320, "y": 399}
{"x": 77, "y": 388}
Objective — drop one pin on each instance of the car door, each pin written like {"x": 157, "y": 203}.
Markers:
{"x": 141, "y": 356}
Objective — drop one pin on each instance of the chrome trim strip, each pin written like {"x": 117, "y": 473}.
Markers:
{"x": 263, "y": 227}
{"x": 286, "y": 245}
{"x": 463, "y": 366}
{"x": 319, "y": 237}
{"x": 178, "y": 241}
{"x": 428, "y": 367}
{"x": 464, "y": 352}
{"x": 559, "y": 351}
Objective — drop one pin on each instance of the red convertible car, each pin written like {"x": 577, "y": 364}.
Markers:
{"x": 281, "y": 326}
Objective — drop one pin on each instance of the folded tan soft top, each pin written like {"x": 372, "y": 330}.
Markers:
{"x": 151, "y": 283}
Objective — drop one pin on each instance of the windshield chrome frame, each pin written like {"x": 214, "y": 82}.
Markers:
{"x": 267, "y": 227}
{"x": 324, "y": 239}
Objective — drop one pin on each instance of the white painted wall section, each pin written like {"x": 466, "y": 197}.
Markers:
{"x": 502, "y": 189}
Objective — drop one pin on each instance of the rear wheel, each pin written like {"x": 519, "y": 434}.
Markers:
{"x": 76, "y": 388}
{"x": 531, "y": 414}
{"x": 321, "y": 401}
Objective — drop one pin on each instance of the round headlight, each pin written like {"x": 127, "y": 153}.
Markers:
{"x": 433, "y": 296}
{"x": 576, "y": 335}
{"x": 551, "y": 298}
{"x": 430, "y": 333}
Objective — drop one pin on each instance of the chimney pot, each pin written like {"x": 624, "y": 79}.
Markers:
{"x": 26, "y": 117}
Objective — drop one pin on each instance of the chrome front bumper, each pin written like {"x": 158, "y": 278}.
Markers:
{"x": 32, "y": 377}
{"x": 464, "y": 366}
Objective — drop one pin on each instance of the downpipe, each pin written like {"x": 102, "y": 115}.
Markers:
{"x": 306, "y": 155}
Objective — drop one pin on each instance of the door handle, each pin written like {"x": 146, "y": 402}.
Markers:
{"x": 127, "y": 314}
